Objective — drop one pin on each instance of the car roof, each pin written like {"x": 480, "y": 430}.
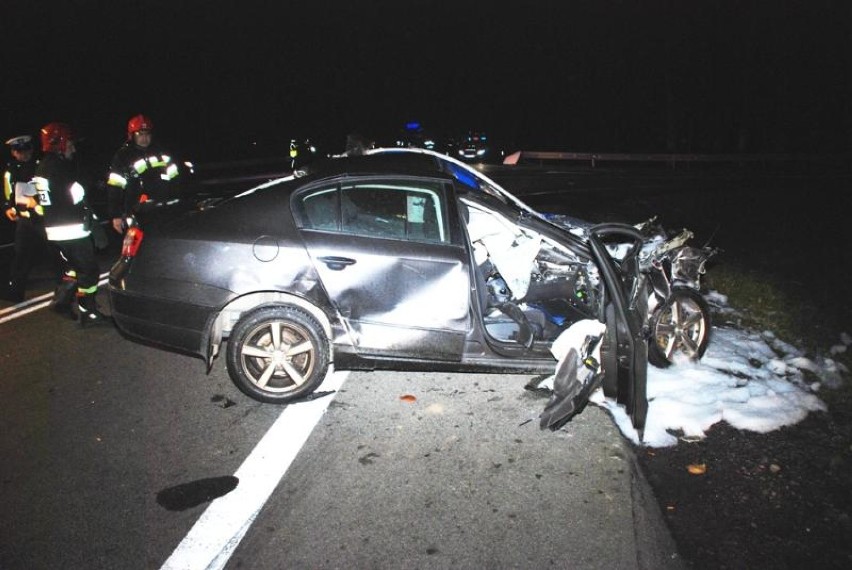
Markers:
{"x": 407, "y": 164}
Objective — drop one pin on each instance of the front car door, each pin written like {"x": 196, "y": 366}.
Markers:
{"x": 625, "y": 307}
{"x": 387, "y": 256}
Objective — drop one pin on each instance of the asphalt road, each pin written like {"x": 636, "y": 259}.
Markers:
{"x": 99, "y": 434}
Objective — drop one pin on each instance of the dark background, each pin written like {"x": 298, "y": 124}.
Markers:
{"x": 238, "y": 79}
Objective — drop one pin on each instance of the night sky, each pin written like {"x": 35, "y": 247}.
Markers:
{"x": 232, "y": 79}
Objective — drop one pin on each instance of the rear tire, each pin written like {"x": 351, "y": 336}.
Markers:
{"x": 681, "y": 325}
{"x": 277, "y": 354}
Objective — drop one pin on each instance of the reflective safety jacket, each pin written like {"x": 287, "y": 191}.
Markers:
{"x": 138, "y": 176}
{"x": 17, "y": 186}
{"x": 61, "y": 198}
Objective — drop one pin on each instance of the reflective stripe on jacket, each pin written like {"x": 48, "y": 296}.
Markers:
{"x": 61, "y": 198}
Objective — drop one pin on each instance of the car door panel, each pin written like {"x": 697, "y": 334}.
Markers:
{"x": 397, "y": 298}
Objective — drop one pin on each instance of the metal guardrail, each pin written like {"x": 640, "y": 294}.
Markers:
{"x": 593, "y": 158}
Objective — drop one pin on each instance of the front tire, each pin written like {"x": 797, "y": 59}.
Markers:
{"x": 277, "y": 354}
{"x": 681, "y": 325}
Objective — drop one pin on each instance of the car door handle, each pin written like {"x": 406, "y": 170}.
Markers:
{"x": 336, "y": 263}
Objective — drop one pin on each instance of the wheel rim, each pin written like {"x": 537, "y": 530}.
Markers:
{"x": 278, "y": 356}
{"x": 681, "y": 328}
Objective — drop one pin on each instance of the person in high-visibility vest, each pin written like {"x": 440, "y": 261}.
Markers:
{"x": 19, "y": 203}
{"x": 67, "y": 218}
{"x": 294, "y": 152}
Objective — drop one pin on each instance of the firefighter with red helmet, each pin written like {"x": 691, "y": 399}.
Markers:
{"x": 142, "y": 175}
{"x": 67, "y": 218}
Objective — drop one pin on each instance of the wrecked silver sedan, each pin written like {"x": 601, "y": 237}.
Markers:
{"x": 401, "y": 259}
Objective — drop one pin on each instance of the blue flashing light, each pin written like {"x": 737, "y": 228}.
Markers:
{"x": 412, "y": 126}
{"x": 463, "y": 176}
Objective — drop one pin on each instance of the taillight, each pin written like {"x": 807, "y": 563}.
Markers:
{"x": 132, "y": 241}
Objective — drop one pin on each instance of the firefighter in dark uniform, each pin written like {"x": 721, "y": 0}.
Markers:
{"x": 19, "y": 202}
{"x": 142, "y": 176}
{"x": 62, "y": 202}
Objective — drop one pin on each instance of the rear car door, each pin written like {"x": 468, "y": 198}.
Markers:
{"x": 383, "y": 250}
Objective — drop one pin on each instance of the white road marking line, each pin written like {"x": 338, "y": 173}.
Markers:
{"x": 20, "y": 312}
{"x": 30, "y": 305}
{"x": 222, "y": 526}
{"x": 25, "y": 304}
{"x": 224, "y": 523}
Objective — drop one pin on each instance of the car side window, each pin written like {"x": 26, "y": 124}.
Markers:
{"x": 322, "y": 209}
{"x": 401, "y": 210}
{"x": 388, "y": 209}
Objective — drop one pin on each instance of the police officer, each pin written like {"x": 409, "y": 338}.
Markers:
{"x": 142, "y": 176}
{"x": 62, "y": 202}
{"x": 19, "y": 202}
{"x": 294, "y": 153}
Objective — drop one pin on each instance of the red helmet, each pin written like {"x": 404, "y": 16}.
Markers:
{"x": 139, "y": 123}
{"x": 55, "y": 137}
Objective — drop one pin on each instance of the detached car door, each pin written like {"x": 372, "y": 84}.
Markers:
{"x": 383, "y": 250}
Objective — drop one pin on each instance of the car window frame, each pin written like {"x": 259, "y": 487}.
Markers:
{"x": 440, "y": 188}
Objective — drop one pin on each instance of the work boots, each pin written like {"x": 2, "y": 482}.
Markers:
{"x": 63, "y": 297}
{"x": 89, "y": 314}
